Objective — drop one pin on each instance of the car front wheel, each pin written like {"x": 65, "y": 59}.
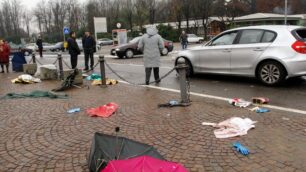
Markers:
{"x": 271, "y": 73}
{"x": 129, "y": 53}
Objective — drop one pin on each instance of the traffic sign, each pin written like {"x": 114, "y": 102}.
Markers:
{"x": 66, "y": 30}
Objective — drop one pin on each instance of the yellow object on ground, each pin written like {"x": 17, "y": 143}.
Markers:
{"x": 108, "y": 82}
{"x": 25, "y": 79}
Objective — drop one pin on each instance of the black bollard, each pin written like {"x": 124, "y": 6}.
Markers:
{"x": 33, "y": 58}
{"x": 182, "y": 70}
{"x": 60, "y": 65}
{"x": 102, "y": 69}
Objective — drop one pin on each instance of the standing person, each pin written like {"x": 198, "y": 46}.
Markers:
{"x": 151, "y": 44}
{"x": 39, "y": 44}
{"x": 89, "y": 45}
{"x": 4, "y": 56}
{"x": 74, "y": 50}
{"x": 184, "y": 40}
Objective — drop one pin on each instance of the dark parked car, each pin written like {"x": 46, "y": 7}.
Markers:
{"x": 105, "y": 41}
{"x": 58, "y": 47}
{"x": 19, "y": 48}
{"x": 130, "y": 49}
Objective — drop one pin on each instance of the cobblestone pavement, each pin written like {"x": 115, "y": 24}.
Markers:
{"x": 38, "y": 134}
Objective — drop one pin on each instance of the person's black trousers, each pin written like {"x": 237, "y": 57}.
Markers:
{"x": 89, "y": 55}
{"x": 73, "y": 60}
{"x": 40, "y": 52}
{"x": 148, "y": 74}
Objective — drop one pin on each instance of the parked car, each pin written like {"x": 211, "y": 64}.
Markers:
{"x": 46, "y": 46}
{"x": 105, "y": 41}
{"x": 130, "y": 49}
{"x": 269, "y": 53}
{"x": 58, "y": 47}
{"x": 19, "y": 48}
{"x": 31, "y": 46}
{"x": 192, "y": 38}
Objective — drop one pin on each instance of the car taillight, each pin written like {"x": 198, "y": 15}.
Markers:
{"x": 299, "y": 47}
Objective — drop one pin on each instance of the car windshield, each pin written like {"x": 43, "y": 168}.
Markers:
{"x": 135, "y": 40}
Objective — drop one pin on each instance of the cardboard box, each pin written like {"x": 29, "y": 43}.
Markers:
{"x": 30, "y": 68}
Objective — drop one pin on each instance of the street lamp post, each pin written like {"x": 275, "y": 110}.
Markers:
{"x": 286, "y": 11}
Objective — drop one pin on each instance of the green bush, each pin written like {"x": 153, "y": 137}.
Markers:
{"x": 168, "y": 32}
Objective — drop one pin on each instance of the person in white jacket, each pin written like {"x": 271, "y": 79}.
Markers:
{"x": 151, "y": 44}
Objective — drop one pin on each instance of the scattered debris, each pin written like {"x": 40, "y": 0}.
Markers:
{"x": 108, "y": 82}
{"x": 286, "y": 119}
{"x": 260, "y": 100}
{"x": 239, "y": 102}
{"x": 260, "y": 110}
{"x": 241, "y": 149}
{"x": 68, "y": 82}
{"x": 232, "y": 127}
{"x": 35, "y": 94}
{"x": 26, "y": 79}
{"x": 103, "y": 111}
{"x": 93, "y": 77}
{"x": 74, "y": 110}
{"x": 171, "y": 103}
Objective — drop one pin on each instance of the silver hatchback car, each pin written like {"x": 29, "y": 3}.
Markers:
{"x": 269, "y": 53}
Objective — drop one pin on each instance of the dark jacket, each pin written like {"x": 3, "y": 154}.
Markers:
{"x": 89, "y": 44}
{"x": 73, "y": 47}
{"x": 39, "y": 43}
{"x": 184, "y": 38}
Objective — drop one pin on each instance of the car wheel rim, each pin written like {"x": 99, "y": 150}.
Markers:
{"x": 129, "y": 53}
{"x": 270, "y": 73}
{"x": 165, "y": 51}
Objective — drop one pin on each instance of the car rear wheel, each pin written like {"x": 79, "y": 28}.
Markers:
{"x": 271, "y": 73}
{"x": 129, "y": 53}
{"x": 165, "y": 51}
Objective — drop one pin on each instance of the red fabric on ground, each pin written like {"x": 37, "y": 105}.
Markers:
{"x": 103, "y": 111}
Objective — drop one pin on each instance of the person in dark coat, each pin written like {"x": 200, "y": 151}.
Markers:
{"x": 73, "y": 49}
{"x": 4, "y": 55}
{"x": 39, "y": 44}
{"x": 89, "y": 45}
{"x": 184, "y": 40}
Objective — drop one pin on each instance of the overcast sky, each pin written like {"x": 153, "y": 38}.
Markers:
{"x": 32, "y": 3}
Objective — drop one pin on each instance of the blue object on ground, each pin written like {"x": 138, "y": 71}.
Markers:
{"x": 262, "y": 110}
{"x": 93, "y": 77}
{"x": 74, "y": 110}
{"x": 243, "y": 150}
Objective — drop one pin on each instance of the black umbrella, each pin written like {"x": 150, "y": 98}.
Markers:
{"x": 107, "y": 147}
{"x": 68, "y": 82}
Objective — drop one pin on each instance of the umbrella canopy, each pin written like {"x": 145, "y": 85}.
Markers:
{"x": 143, "y": 164}
{"x": 107, "y": 147}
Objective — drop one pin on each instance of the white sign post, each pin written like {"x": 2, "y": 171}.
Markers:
{"x": 100, "y": 26}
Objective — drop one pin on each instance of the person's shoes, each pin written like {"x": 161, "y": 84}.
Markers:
{"x": 92, "y": 68}
{"x": 86, "y": 69}
{"x": 2, "y": 71}
{"x": 157, "y": 81}
{"x": 147, "y": 82}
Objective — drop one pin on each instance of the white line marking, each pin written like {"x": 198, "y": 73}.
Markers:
{"x": 222, "y": 98}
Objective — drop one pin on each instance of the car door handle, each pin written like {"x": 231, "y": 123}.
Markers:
{"x": 258, "y": 49}
{"x": 226, "y": 50}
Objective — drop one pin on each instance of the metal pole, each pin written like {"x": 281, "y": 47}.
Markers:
{"x": 60, "y": 65}
{"x": 33, "y": 58}
{"x": 182, "y": 67}
{"x": 286, "y": 11}
{"x": 102, "y": 70}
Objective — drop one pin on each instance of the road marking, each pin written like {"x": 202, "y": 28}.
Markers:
{"x": 222, "y": 98}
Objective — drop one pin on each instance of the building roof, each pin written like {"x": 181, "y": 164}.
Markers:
{"x": 268, "y": 16}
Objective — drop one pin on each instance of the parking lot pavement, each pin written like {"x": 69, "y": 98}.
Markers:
{"x": 38, "y": 134}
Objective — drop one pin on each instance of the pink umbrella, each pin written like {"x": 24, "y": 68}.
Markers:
{"x": 143, "y": 164}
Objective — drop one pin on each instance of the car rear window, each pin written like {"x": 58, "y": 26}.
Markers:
{"x": 302, "y": 34}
